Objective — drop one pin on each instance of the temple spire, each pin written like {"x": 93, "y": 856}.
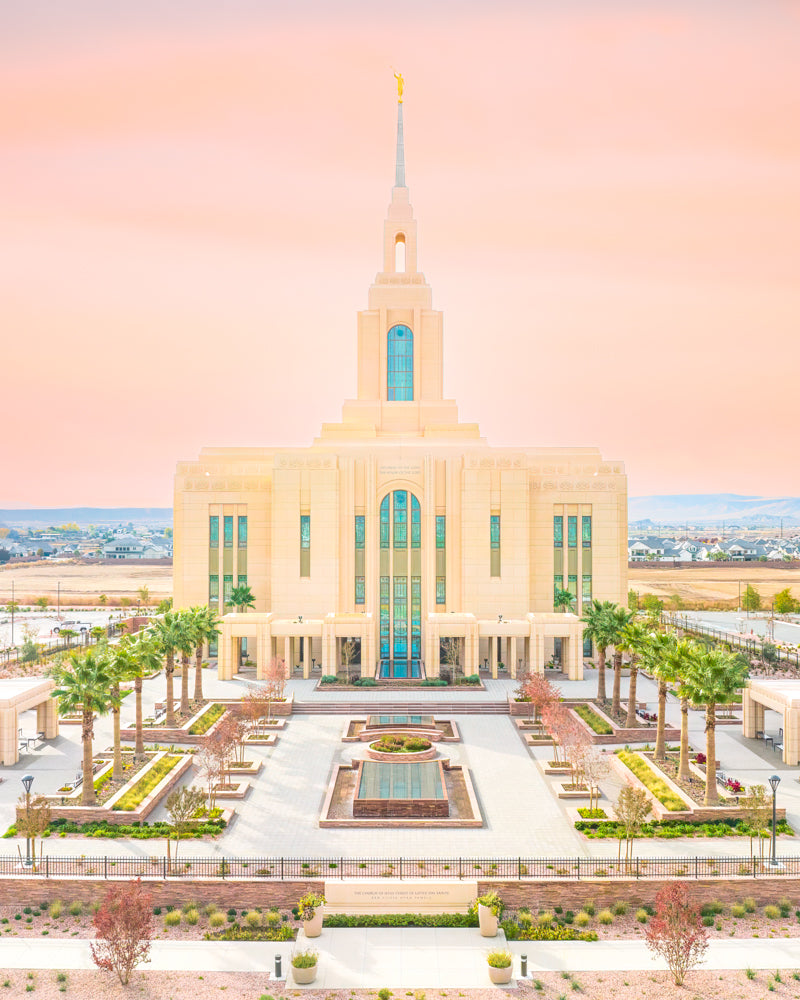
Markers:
{"x": 400, "y": 162}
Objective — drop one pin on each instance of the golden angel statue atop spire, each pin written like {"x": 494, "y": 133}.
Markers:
{"x": 400, "y": 83}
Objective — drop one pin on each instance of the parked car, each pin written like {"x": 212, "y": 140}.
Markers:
{"x": 72, "y": 627}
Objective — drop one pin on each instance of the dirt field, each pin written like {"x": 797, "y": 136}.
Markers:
{"x": 712, "y": 583}
{"x": 82, "y": 583}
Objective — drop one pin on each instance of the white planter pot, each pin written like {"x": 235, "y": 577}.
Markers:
{"x": 500, "y": 976}
{"x": 487, "y": 921}
{"x": 304, "y": 976}
{"x": 313, "y": 927}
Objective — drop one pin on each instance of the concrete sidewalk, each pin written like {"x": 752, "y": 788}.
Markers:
{"x": 418, "y": 958}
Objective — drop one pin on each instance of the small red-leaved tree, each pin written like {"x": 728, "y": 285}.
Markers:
{"x": 676, "y": 932}
{"x": 124, "y": 929}
{"x": 538, "y": 691}
{"x": 554, "y": 717}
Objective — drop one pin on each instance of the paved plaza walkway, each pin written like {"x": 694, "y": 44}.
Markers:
{"x": 522, "y": 815}
{"x": 413, "y": 958}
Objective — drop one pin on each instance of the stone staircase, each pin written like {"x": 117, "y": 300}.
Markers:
{"x": 365, "y": 707}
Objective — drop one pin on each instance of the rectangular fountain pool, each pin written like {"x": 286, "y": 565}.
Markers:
{"x": 402, "y": 789}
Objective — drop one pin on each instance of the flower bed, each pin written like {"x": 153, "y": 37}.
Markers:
{"x": 140, "y": 789}
{"x": 591, "y": 718}
{"x": 397, "y": 746}
{"x": 210, "y": 715}
{"x": 652, "y": 782}
{"x": 669, "y": 829}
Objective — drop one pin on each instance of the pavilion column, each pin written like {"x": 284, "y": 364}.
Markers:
{"x": 287, "y": 655}
{"x": 307, "y": 657}
{"x": 537, "y": 666}
{"x": 512, "y": 655}
{"x": 227, "y": 654}
{"x": 493, "y": 655}
{"x": 749, "y": 722}
{"x": 791, "y": 737}
{"x": 9, "y": 743}
{"x": 47, "y": 718}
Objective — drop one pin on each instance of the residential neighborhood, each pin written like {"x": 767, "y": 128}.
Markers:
{"x": 70, "y": 541}
{"x": 658, "y": 548}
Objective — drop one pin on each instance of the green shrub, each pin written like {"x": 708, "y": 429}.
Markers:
{"x": 605, "y": 917}
{"x": 402, "y": 919}
{"x": 652, "y": 781}
{"x": 544, "y": 919}
{"x": 188, "y": 906}
{"x": 328, "y": 679}
{"x": 586, "y": 813}
{"x": 642, "y": 916}
{"x": 207, "y": 719}
{"x": 253, "y": 919}
{"x": 591, "y": 718}
{"x": 785, "y": 906}
{"x": 544, "y": 932}
{"x": 172, "y": 919}
{"x": 737, "y": 910}
{"x": 582, "y": 919}
{"x": 620, "y": 908}
{"x": 708, "y": 921}
{"x": 308, "y": 959}
{"x": 216, "y": 919}
{"x": 210, "y": 908}
{"x": 55, "y": 909}
{"x": 772, "y": 912}
{"x": 589, "y": 908}
{"x": 385, "y": 994}
{"x": 497, "y": 959}
{"x": 140, "y": 789}
{"x": 272, "y": 918}
{"x": 76, "y": 907}
{"x": 749, "y": 904}
{"x": 191, "y": 917}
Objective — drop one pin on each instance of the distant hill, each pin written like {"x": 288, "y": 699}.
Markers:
{"x": 24, "y": 517}
{"x": 705, "y": 508}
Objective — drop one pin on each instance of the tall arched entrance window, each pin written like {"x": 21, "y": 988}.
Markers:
{"x": 400, "y": 560}
{"x": 400, "y": 363}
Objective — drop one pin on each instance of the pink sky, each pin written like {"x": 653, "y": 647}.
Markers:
{"x": 608, "y": 195}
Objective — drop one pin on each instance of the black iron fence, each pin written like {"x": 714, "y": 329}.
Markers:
{"x": 485, "y": 869}
{"x": 752, "y": 646}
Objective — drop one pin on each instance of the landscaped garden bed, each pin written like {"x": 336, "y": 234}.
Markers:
{"x": 670, "y": 829}
{"x": 401, "y": 747}
{"x": 653, "y": 781}
{"x": 597, "y": 724}
{"x": 603, "y": 727}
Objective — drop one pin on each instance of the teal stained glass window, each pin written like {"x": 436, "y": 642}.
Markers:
{"x": 587, "y": 645}
{"x": 586, "y": 588}
{"x": 227, "y": 588}
{"x": 416, "y": 617}
{"x": 586, "y": 530}
{"x": 494, "y": 531}
{"x": 400, "y": 534}
{"x": 360, "y": 590}
{"x": 558, "y": 584}
{"x": 213, "y": 532}
{"x": 359, "y": 531}
{"x": 241, "y": 580}
{"x": 385, "y": 522}
{"x": 400, "y": 363}
{"x": 441, "y": 531}
{"x": 385, "y": 617}
{"x": 440, "y": 589}
{"x": 572, "y": 532}
{"x": 213, "y": 589}
{"x": 228, "y": 522}
{"x": 400, "y": 615}
{"x": 416, "y": 527}
{"x": 243, "y": 532}
{"x": 558, "y": 532}
{"x": 572, "y": 586}
{"x": 305, "y": 531}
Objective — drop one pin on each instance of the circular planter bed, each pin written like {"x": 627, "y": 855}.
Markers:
{"x": 394, "y": 747}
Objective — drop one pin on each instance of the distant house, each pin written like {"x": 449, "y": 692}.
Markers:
{"x": 130, "y": 547}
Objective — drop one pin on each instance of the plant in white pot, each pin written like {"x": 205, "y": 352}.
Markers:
{"x": 490, "y": 906}
{"x": 304, "y": 966}
{"x": 500, "y": 966}
{"x": 310, "y": 912}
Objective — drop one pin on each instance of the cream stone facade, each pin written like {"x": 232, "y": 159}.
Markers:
{"x": 400, "y": 528}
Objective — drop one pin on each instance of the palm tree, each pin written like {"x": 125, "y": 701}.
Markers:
{"x": 563, "y": 600}
{"x": 632, "y": 640}
{"x": 187, "y": 641}
{"x": 84, "y": 686}
{"x": 167, "y": 631}
{"x": 206, "y": 631}
{"x": 619, "y": 619}
{"x": 682, "y": 658}
{"x": 656, "y": 660}
{"x": 120, "y": 668}
{"x": 598, "y": 629}
{"x": 713, "y": 678}
{"x": 242, "y": 597}
{"x": 145, "y": 659}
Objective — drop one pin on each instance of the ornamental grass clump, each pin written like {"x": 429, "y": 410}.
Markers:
{"x": 772, "y": 912}
{"x": 605, "y": 917}
{"x": 642, "y": 916}
{"x": 216, "y": 919}
{"x": 737, "y": 910}
{"x": 582, "y": 919}
{"x": 499, "y": 959}
{"x": 191, "y": 917}
{"x": 172, "y": 919}
{"x": 253, "y": 918}
{"x": 55, "y": 909}
{"x": 305, "y": 959}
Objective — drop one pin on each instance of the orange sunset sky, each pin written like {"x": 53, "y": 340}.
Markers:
{"x": 191, "y": 207}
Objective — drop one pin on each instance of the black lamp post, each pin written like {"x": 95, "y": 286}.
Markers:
{"x": 774, "y": 781}
{"x": 27, "y": 781}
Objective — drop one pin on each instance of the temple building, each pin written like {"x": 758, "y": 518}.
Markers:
{"x": 399, "y": 543}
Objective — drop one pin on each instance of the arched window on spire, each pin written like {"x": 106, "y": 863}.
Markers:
{"x": 400, "y": 363}
{"x": 400, "y": 253}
